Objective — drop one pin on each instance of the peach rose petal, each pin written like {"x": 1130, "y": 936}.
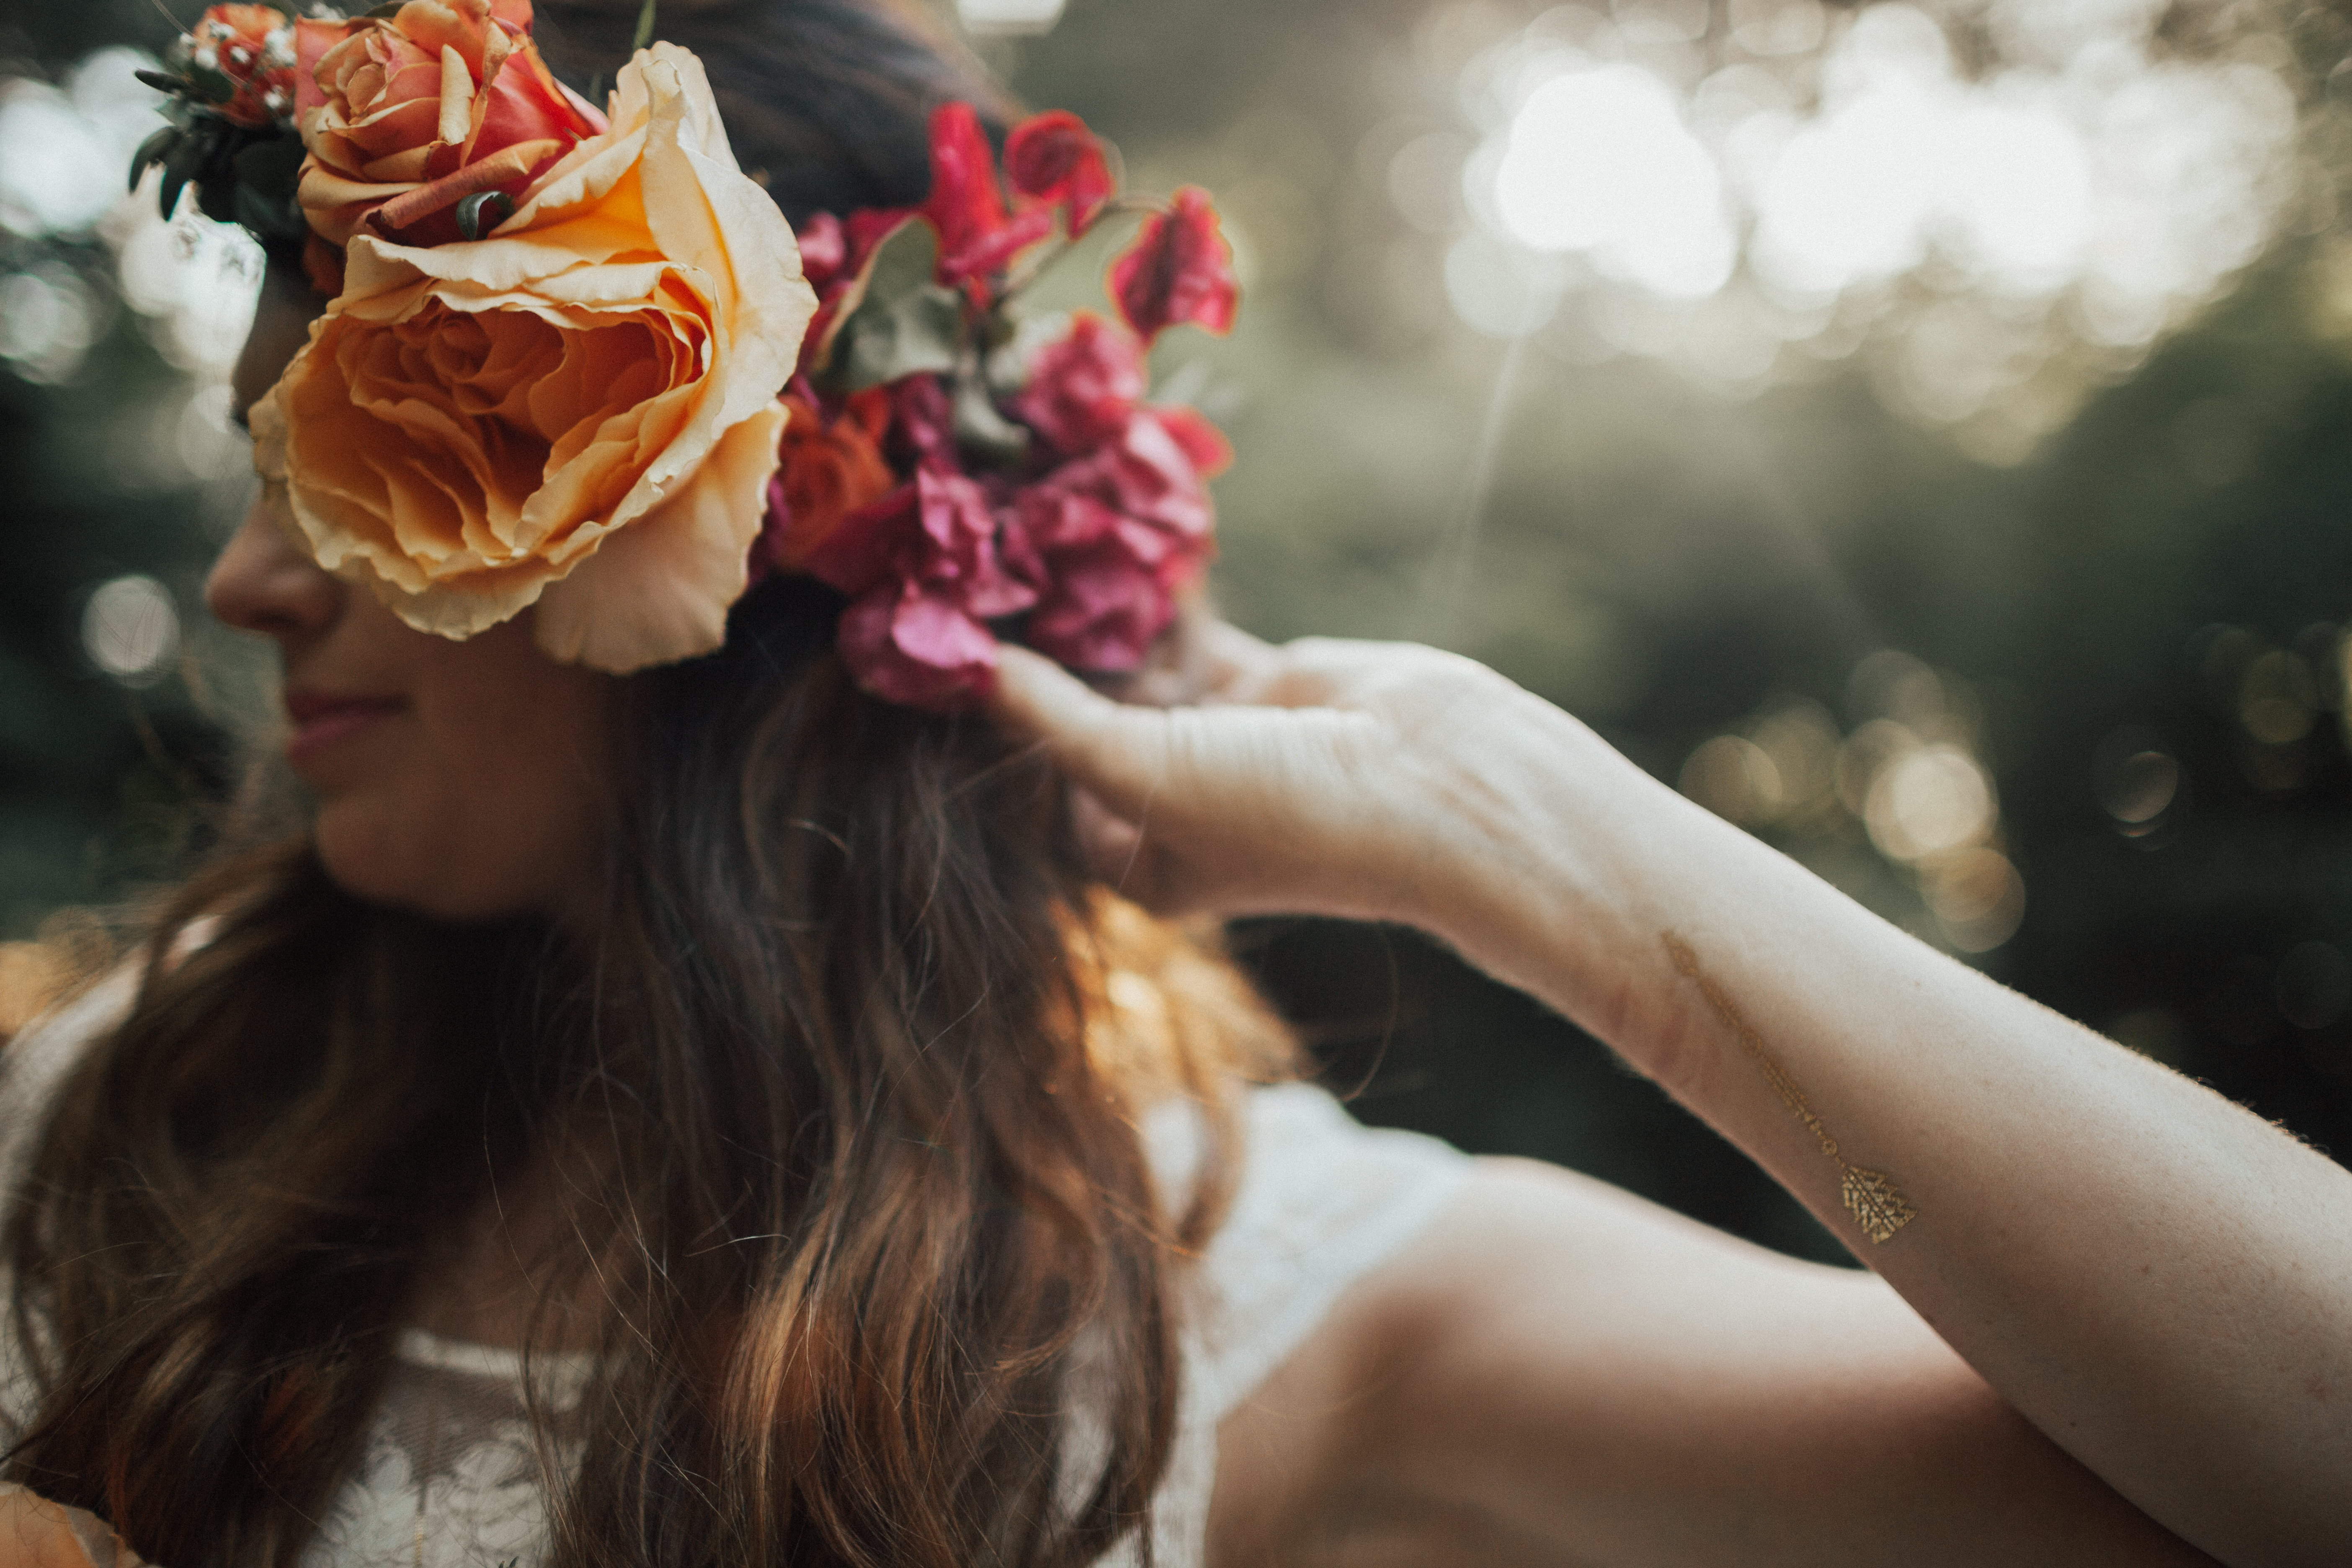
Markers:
{"x": 668, "y": 580}
{"x": 456, "y": 96}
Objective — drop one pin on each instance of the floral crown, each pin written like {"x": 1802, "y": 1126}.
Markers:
{"x": 576, "y": 359}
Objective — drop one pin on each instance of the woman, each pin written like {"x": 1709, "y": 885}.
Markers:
{"x": 708, "y": 1114}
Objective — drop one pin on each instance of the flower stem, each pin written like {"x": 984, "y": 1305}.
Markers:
{"x": 1018, "y": 283}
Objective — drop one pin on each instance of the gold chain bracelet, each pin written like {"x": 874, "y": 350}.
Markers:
{"x": 1870, "y": 1197}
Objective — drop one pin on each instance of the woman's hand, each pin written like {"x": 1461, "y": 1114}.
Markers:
{"x": 1375, "y": 781}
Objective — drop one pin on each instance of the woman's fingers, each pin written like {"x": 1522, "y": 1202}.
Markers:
{"x": 1234, "y": 658}
{"x": 1304, "y": 787}
{"x": 1119, "y": 753}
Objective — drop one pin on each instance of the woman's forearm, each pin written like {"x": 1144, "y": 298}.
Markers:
{"x": 2159, "y": 1280}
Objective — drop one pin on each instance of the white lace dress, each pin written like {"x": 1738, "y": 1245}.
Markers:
{"x": 448, "y": 1477}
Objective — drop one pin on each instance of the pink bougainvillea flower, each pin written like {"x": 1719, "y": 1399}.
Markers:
{"x": 924, "y": 417}
{"x": 1101, "y": 602}
{"x": 1179, "y": 268}
{"x": 977, "y": 235}
{"x": 1108, "y": 539}
{"x": 1082, "y": 385}
{"x": 1146, "y": 477}
{"x": 959, "y": 545}
{"x": 1103, "y": 611}
{"x": 1205, "y": 446}
{"x": 909, "y": 643}
{"x": 924, "y": 576}
{"x": 1086, "y": 531}
{"x": 824, "y": 251}
{"x": 1054, "y": 158}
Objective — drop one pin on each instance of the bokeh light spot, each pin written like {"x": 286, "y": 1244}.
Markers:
{"x": 2140, "y": 788}
{"x": 131, "y": 629}
{"x": 1599, "y": 162}
{"x": 1735, "y": 778}
{"x": 47, "y": 321}
{"x": 1977, "y": 897}
{"x": 1928, "y": 800}
{"x": 2278, "y": 700}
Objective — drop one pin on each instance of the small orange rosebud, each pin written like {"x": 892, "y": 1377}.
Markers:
{"x": 828, "y": 470}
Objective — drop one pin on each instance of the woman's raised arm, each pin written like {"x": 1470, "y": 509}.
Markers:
{"x": 2156, "y": 1277}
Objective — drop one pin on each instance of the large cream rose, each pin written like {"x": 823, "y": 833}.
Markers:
{"x": 577, "y": 411}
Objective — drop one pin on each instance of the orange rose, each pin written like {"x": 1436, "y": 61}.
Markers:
{"x": 404, "y": 116}
{"x": 577, "y": 411}
{"x": 829, "y": 470}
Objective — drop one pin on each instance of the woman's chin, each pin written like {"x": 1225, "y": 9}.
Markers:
{"x": 380, "y": 860}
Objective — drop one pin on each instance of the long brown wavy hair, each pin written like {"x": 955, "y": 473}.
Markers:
{"x": 844, "y": 1082}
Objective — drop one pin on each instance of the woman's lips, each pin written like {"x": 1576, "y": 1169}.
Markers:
{"x": 322, "y": 721}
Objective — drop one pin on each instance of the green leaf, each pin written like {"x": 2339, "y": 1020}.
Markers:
{"x": 983, "y": 432}
{"x": 901, "y": 265}
{"x": 184, "y": 161}
{"x": 150, "y": 152}
{"x": 211, "y": 86}
{"x": 894, "y": 320}
{"x": 272, "y": 166}
{"x": 218, "y": 192}
{"x": 497, "y": 204}
{"x": 269, "y": 215}
{"x": 644, "y": 27}
{"x": 923, "y": 331}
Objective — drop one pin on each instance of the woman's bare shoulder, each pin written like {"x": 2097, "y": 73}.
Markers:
{"x": 1554, "y": 1371}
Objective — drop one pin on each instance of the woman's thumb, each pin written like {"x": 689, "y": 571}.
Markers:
{"x": 1119, "y": 751}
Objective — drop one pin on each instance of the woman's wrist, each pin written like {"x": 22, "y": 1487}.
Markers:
{"x": 1545, "y": 857}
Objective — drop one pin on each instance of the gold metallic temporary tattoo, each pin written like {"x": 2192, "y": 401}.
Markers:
{"x": 1870, "y": 1197}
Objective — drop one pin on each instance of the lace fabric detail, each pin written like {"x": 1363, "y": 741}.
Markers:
{"x": 452, "y": 1474}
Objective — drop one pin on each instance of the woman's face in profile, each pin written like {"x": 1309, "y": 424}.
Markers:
{"x": 462, "y": 780}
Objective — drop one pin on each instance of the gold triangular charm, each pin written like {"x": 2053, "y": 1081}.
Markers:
{"x": 1873, "y": 1201}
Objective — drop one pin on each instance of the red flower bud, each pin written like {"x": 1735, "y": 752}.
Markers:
{"x": 1052, "y": 157}
{"x": 1179, "y": 268}
{"x": 976, "y": 236}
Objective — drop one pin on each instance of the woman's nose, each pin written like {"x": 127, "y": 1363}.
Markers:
{"x": 265, "y": 583}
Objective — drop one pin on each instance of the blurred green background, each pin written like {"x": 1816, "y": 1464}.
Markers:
{"x": 1922, "y": 432}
